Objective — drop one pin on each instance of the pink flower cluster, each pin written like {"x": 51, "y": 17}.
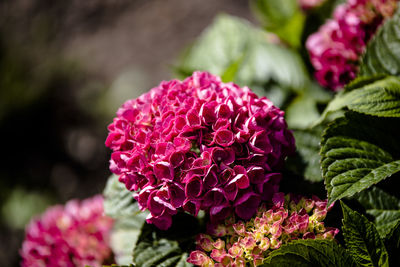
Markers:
{"x": 336, "y": 48}
{"x": 74, "y": 235}
{"x": 199, "y": 144}
{"x": 238, "y": 243}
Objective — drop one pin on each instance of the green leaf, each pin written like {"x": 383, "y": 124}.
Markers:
{"x": 120, "y": 205}
{"x": 151, "y": 254}
{"x": 286, "y": 21}
{"x": 383, "y": 207}
{"x": 273, "y": 14}
{"x": 382, "y": 55}
{"x": 362, "y": 239}
{"x": 392, "y": 244}
{"x": 302, "y": 112}
{"x": 234, "y": 49}
{"x": 118, "y": 201}
{"x": 379, "y": 98}
{"x": 362, "y": 81}
{"x": 306, "y": 162}
{"x": 310, "y": 252}
{"x": 358, "y": 151}
{"x": 167, "y": 248}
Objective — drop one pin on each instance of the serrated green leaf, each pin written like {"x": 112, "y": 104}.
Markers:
{"x": 362, "y": 239}
{"x": 233, "y": 48}
{"x": 379, "y": 98}
{"x": 310, "y": 253}
{"x": 382, "y": 55}
{"x": 362, "y": 81}
{"x": 150, "y": 254}
{"x": 383, "y": 207}
{"x": 382, "y": 98}
{"x": 169, "y": 248}
{"x": 306, "y": 161}
{"x": 118, "y": 200}
{"x": 392, "y": 243}
{"x": 120, "y": 205}
{"x": 358, "y": 151}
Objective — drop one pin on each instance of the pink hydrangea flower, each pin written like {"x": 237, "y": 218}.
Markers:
{"x": 76, "y": 234}
{"x": 239, "y": 243}
{"x": 336, "y": 48}
{"x": 199, "y": 144}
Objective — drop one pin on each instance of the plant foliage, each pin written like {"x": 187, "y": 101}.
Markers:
{"x": 362, "y": 239}
{"x": 358, "y": 151}
{"x": 310, "y": 253}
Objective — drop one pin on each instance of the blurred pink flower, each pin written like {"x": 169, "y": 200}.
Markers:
{"x": 336, "y": 48}
{"x": 76, "y": 234}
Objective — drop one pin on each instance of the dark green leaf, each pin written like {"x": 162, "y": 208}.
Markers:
{"x": 362, "y": 81}
{"x": 237, "y": 51}
{"x": 378, "y": 98}
{"x": 358, "y": 151}
{"x": 383, "y": 207}
{"x": 310, "y": 253}
{"x": 382, "y": 55}
{"x": 120, "y": 205}
{"x": 362, "y": 239}
{"x": 306, "y": 162}
{"x": 392, "y": 244}
{"x": 167, "y": 248}
{"x": 155, "y": 253}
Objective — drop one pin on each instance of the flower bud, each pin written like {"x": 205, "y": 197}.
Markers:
{"x": 200, "y": 259}
{"x": 205, "y": 242}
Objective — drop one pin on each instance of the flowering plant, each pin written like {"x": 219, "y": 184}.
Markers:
{"x": 237, "y": 243}
{"x": 206, "y": 170}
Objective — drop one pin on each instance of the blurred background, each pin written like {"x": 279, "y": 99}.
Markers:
{"x": 65, "y": 68}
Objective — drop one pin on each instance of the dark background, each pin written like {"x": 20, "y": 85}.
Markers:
{"x": 65, "y": 68}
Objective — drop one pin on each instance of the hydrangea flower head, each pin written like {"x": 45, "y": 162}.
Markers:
{"x": 74, "y": 235}
{"x": 337, "y": 47}
{"x": 199, "y": 144}
{"x": 239, "y": 243}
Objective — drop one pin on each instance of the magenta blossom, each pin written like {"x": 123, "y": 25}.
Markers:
{"x": 76, "y": 234}
{"x": 336, "y": 48}
{"x": 199, "y": 144}
{"x": 248, "y": 243}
